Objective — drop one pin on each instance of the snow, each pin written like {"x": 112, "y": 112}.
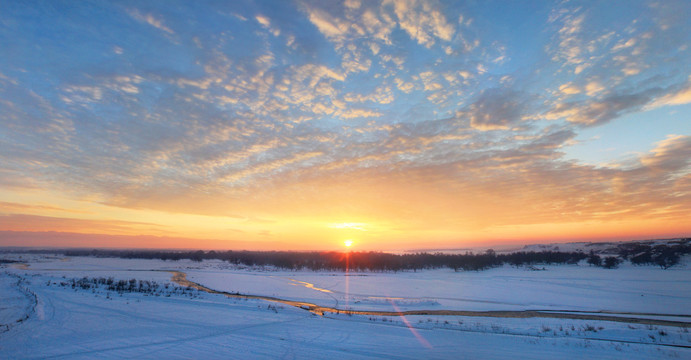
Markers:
{"x": 75, "y": 323}
{"x": 14, "y": 302}
{"x": 565, "y": 287}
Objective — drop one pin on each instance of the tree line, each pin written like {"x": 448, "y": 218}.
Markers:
{"x": 663, "y": 255}
{"x": 638, "y": 253}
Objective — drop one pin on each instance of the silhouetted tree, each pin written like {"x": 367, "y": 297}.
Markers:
{"x": 666, "y": 259}
{"x": 594, "y": 259}
{"x": 611, "y": 262}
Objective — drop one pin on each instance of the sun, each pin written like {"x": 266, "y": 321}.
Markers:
{"x": 348, "y": 243}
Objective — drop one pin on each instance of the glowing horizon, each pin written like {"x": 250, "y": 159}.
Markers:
{"x": 295, "y": 125}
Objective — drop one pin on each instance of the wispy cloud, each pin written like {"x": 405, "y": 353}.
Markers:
{"x": 12, "y": 207}
{"x": 23, "y": 222}
{"x": 150, "y": 19}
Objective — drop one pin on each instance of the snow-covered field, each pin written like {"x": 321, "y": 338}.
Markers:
{"x": 42, "y": 316}
{"x": 628, "y": 289}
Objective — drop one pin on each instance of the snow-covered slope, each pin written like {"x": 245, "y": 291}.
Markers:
{"x": 95, "y": 323}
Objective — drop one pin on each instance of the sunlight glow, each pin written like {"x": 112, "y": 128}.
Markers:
{"x": 348, "y": 243}
{"x": 415, "y": 333}
{"x": 353, "y": 226}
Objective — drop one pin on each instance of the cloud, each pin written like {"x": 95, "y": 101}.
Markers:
{"x": 593, "y": 88}
{"x": 670, "y": 155}
{"x": 331, "y": 26}
{"x": 423, "y": 21}
{"x": 597, "y": 111}
{"x": 266, "y": 23}
{"x": 151, "y": 20}
{"x": 624, "y": 44}
{"x": 496, "y": 108}
{"x": 569, "y": 89}
{"x": 590, "y": 113}
{"x": 381, "y": 95}
{"x": 550, "y": 140}
{"x": 657, "y": 183}
{"x": 406, "y": 87}
{"x": 269, "y": 168}
{"x": 358, "y": 113}
{"x": 680, "y": 97}
{"x": 23, "y": 222}
{"x": 14, "y": 179}
{"x": 9, "y": 207}
{"x": 570, "y": 48}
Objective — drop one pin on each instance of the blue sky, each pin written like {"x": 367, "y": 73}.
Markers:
{"x": 387, "y": 113}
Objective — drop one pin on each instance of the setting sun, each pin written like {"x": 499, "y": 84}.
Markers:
{"x": 348, "y": 243}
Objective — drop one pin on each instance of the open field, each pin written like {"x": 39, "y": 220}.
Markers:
{"x": 371, "y": 315}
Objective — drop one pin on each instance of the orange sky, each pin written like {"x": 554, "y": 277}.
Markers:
{"x": 319, "y": 214}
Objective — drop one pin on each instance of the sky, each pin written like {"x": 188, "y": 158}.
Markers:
{"x": 301, "y": 124}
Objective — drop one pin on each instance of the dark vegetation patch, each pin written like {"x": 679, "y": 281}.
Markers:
{"x": 149, "y": 288}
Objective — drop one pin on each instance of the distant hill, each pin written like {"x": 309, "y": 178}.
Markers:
{"x": 600, "y": 248}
